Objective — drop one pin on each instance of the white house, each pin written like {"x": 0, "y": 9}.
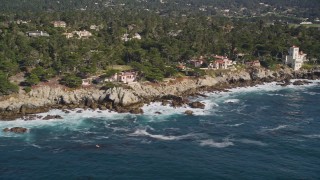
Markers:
{"x": 83, "y": 34}
{"x": 221, "y": 62}
{"x": 37, "y": 34}
{"x": 305, "y": 23}
{"x": 80, "y": 34}
{"x": 295, "y": 58}
{"x": 60, "y": 24}
{"x": 96, "y": 27}
{"x": 126, "y": 37}
{"x": 125, "y": 77}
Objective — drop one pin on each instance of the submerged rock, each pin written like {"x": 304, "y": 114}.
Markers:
{"x": 300, "y": 82}
{"x": 15, "y": 130}
{"x": 48, "y": 117}
{"x": 165, "y": 102}
{"x": 197, "y": 105}
{"x": 136, "y": 111}
{"x": 188, "y": 112}
{"x": 66, "y": 111}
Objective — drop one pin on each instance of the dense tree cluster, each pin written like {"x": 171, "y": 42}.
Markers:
{"x": 166, "y": 40}
{"x": 307, "y": 7}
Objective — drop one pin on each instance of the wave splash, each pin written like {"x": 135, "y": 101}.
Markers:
{"x": 212, "y": 143}
{"x": 143, "y": 132}
{"x": 249, "y": 141}
{"x": 278, "y": 128}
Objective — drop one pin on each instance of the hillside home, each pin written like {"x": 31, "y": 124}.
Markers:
{"x": 60, "y": 24}
{"x": 86, "y": 82}
{"x": 96, "y": 27}
{"x": 181, "y": 67}
{"x": 126, "y": 37}
{"x": 125, "y": 77}
{"x": 220, "y": 62}
{"x": 305, "y": 23}
{"x": 296, "y": 58}
{"x": 83, "y": 34}
{"x": 68, "y": 35}
{"x": 80, "y": 34}
{"x": 37, "y": 34}
{"x": 22, "y": 22}
{"x": 196, "y": 62}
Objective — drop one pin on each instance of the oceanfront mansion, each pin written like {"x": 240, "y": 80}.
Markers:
{"x": 295, "y": 58}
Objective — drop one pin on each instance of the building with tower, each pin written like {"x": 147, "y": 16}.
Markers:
{"x": 296, "y": 58}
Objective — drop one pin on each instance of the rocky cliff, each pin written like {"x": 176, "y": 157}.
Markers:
{"x": 125, "y": 99}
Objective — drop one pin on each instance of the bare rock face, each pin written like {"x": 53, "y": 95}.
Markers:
{"x": 197, "y": 105}
{"x": 122, "y": 96}
{"x": 188, "y": 112}
{"x": 136, "y": 111}
{"x": 301, "y": 82}
{"x": 15, "y": 130}
{"x": 207, "y": 81}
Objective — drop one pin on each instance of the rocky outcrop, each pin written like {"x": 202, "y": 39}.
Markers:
{"x": 300, "y": 82}
{"x": 49, "y": 117}
{"x": 188, "y": 112}
{"x": 131, "y": 97}
{"x": 122, "y": 96}
{"x": 197, "y": 105}
{"x": 16, "y": 130}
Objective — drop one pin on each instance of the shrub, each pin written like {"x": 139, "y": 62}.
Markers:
{"x": 27, "y": 89}
{"x": 71, "y": 81}
{"x": 6, "y": 87}
{"x": 32, "y": 79}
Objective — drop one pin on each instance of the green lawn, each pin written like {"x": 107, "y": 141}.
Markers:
{"x": 305, "y": 25}
{"x": 120, "y": 67}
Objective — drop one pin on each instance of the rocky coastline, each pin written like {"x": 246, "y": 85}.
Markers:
{"x": 132, "y": 97}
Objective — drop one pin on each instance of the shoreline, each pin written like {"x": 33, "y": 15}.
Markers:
{"x": 152, "y": 109}
{"x": 132, "y": 99}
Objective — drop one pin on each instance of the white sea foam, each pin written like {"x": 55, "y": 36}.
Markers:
{"x": 212, "y": 143}
{"x": 72, "y": 120}
{"x": 143, "y": 132}
{"x": 270, "y": 87}
{"x": 277, "y": 128}
{"x": 157, "y": 110}
{"x": 235, "y": 125}
{"x": 232, "y": 101}
{"x": 248, "y": 141}
{"x": 119, "y": 129}
{"x": 312, "y": 93}
{"x": 102, "y": 137}
{"x": 36, "y": 146}
{"x": 312, "y": 136}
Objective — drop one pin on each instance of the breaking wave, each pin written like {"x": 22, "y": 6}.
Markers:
{"x": 232, "y": 101}
{"x": 278, "y": 128}
{"x": 143, "y": 132}
{"x": 248, "y": 141}
{"x": 212, "y": 143}
{"x": 312, "y": 136}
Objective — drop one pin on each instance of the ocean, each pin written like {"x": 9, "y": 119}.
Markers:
{"x": 261, "y": 132}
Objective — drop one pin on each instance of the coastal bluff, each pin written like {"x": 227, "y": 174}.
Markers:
{"x": 131, "y": 97}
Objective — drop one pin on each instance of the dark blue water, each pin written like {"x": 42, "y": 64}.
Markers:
{"x": 266, "y": 132}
